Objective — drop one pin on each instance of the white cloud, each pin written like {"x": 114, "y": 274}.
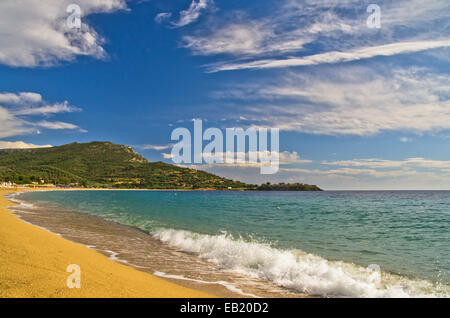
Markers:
{"x": 48, "y": 109}
{"x": 11, "y": 125}
{"x": 337, "y": 29}
{"x": 244, "y": 39}
{"x": 235, "y": 39}
{"x": 191, "y": 14}
{"x": 382, "y": 163}
{"x": 20, "y": 99}
{"x": 336, "y": 56}
{"x": 27, "y": 103}
{"x": 155, "y": 147}
{"x": 282, "y": 30}
{"x": 415, "y": 13}
{"x": 20, "y": 145}
{"x": 370, "y": 179}
{"x": 287, "y": 158}
{"x": 355, "y": 172}
{"x": 57, "y": 125}
{"x": 160, "y": 17}
{"x": 349, "y": 101}
{"x": 36, "y": 33}
{"x": 20, "y": 112}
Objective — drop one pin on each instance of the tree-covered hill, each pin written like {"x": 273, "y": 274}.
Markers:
{"x": 102, "y": 164}
{"x": 288, "y": 187}
{"x": 108, "y": 165}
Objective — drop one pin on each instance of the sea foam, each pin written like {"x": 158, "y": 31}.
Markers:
{"x": 297, "y": 270}
{"x": 228, "y": 286}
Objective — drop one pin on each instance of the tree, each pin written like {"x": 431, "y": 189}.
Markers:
{"x": 63, "y": 180}
{"x": 21, "y": 179}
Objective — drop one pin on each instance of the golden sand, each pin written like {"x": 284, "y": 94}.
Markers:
{"x": 33, "y": 263}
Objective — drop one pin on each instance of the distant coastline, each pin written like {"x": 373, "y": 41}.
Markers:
{"x": 112, "y": 166}
{"x": 274, "y": 187}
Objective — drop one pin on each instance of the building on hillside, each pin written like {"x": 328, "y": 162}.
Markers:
{"x": 6, "y": 184}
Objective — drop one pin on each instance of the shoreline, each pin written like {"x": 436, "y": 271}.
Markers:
{"x": 174, "y": 255}
{"x": 34, "y": 263}
{"x": 150, "y": 255}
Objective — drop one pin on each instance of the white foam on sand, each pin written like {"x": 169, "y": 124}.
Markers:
{"x": 21, "y": 204}
{"x": 297, "y": 270}
{"x": 227, "y": 285}
{"x": 113, "y": 256}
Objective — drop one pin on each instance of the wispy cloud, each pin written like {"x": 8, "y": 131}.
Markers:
{"x": 160, "y": 17}
{"x": 155, "y": 147}
{"x": 382, "y": 163}
{"x": 244, "y": 39}
{"x": 282, "y": 30}
{"x": 347, "y": 101}
{"x": 354, "y": 172}
{"x": 303, "y": 33}
{"x": 191, "y": 14}
{"x": 10, "y": 125}
{"x": 58, "y": 125}
{"x": 48, "y": 109}
{"x": 335, "y": 56}
{"x": 22, "y": 113}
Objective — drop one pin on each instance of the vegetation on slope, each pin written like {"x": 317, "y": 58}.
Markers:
{"x": 288, "y": 187}
{"x": 108, "y": 165}
{"x": 102, "y": 164}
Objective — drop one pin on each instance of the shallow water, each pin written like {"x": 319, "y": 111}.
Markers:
{"x": 317, "y": 243}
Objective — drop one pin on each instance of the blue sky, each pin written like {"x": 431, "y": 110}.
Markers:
{"x": 358, "y": 107}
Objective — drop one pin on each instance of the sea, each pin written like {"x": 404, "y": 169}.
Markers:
{"x": 264, "y": 244}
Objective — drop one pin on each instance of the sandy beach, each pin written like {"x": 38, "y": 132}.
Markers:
{"x": 34, "y": 262}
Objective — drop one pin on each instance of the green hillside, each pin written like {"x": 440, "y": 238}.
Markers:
{"x": 102, "y": 164}
{"x": 288, "y": 187}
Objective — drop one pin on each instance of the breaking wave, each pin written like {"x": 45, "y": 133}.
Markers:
{"x": 296, "y": 270}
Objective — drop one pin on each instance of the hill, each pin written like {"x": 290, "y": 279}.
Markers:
{"x": 102, "y": 164}
{"x": 108, "y": 165}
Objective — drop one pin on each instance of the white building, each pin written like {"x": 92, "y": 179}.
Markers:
{"x": 6, "y": 184}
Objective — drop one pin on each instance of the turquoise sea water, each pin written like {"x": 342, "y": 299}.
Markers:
{"x": 315, "y": 242}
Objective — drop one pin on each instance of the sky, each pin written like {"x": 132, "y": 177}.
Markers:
{"x": 358, "y": 107}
